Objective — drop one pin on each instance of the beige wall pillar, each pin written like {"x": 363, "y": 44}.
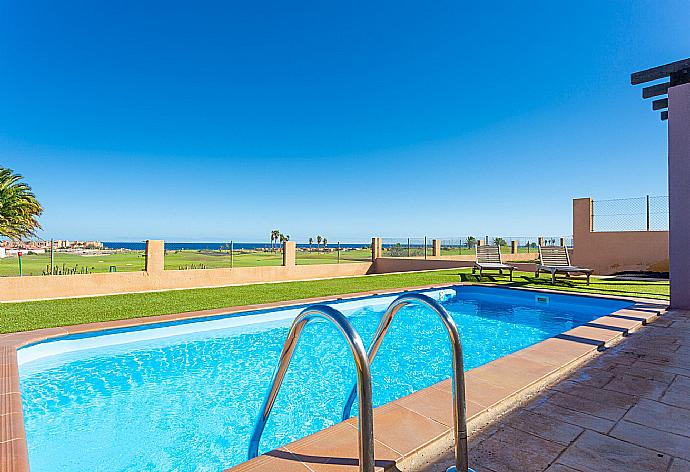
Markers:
{"x": 562, "y": 242}
{"x": 376, "y": 248}
{"x": 155, "y": 255}
{"x": 436, "y": 247}
{"x": 480, "y": 242}
{"x": 513, "y": 247}
{"x": 540, "y": 240}
{"x": 582, "y": 219}
{"x": 289, "y": 253}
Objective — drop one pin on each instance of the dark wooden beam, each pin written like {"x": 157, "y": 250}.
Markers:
{"x": 660, "y": 104}
{"x": 655, "y": 90}
{"x": 664, "y": 115}
{"x": 659, "y": 72}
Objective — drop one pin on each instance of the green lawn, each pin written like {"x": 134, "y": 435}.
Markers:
{"x": 128, "y": 261}
{"x": 43, "y": 314}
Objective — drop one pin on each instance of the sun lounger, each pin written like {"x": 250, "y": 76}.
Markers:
{"x": 489, "y": 258}
{"x": 554, "y": 259}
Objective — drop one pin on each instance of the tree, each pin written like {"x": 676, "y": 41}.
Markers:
{"x": 318, "y": 240}
{"x": 274, "y": 238}
{"x": 325, "y": 243}
{"x": 471, "y": 242}
{"x": 311, "y": 241}
{"x": 500, "y": 242}
{"x": 19, "y": 209}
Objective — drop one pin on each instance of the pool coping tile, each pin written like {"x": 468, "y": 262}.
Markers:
{"x": 405, "y": 428}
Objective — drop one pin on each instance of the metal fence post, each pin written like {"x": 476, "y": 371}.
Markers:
{"x": 232, "y": 247}
{"x": 409, "y": 249}
{"x": 648, "y": 217}
{"x": 52, "y": 256}
{"x": 338, "y": 252}
{"x": 424, "y": 247}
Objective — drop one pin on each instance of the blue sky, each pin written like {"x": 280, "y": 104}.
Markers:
{"x": 205, "y": 121}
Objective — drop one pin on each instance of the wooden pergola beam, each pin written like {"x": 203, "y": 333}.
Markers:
{"x": 660, "y": 104}
{"x": 659, "y": 72}
{"x": 656, "y": 90}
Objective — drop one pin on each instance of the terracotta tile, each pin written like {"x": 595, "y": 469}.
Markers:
{"x": 618, "y": 322}
{"x": 14, "y": 456}
{"x": 668, "y": 443}
{"x": 9, "y": 381}
{"x": 594, "y": 451}
{"x": 660, "y": 416}
{"x": 485, "y": 393}
{"x": 437, "y": 404}
{"x": 577, "y": 418}
{"x": 595, "y": 334}
{"x": 543, "y": 426}
{"x": 11, "y": 426}
{"x": 514, "y": 450}
{"x": 279, "y": 459}
{"x": 556, "y": 351}
{"x": 403, "y": 430}
{"x": 678, "y": 394}
{"x": 513, "y": 372}
{"x": 10, "y": 403}
{"x": 337, "y": 448}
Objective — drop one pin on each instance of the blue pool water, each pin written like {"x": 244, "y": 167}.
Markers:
{"x": 184, "y": 396}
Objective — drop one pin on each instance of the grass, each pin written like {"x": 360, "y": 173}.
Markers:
{"x": 129, "y": 261}
{"x": 51, "y": 313}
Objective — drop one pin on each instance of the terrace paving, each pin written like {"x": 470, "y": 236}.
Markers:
{"x": 627, "y": 410}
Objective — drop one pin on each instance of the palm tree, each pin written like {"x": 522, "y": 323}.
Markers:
{"x": 318, "y": 240}
{"x": 325, "y": 243}
{"x": 19, "y": 209}
{"x": 471, "y": 242}
{"x": 311, "y": 241}
{"x": 274, "y": 238}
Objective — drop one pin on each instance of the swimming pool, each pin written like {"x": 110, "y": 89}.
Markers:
{"x": 184, "y": 396}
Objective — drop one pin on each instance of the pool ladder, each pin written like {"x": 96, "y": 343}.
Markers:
{"x": 362, "y": 388}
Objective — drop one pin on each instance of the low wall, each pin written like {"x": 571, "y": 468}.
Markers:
{"x": 80, "y": 285}
{"x": 386, "y": 265}
{"x": 616, "y": 251}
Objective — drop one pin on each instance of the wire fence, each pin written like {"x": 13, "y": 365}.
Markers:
{"x": 36, "y": 257}
{"x": 466, "y": 245}
{"x": 649, "y": 213}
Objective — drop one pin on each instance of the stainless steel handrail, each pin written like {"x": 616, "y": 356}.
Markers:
{"x": 366, "y": 415}
{"x": 459, "y": 414}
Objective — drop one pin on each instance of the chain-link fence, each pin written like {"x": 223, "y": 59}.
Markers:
{"x": 466, "y": 245}
{"x": 649, "y": 213}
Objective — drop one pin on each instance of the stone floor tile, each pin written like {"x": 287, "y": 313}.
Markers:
{"x": 603, "y": 407}
{"x": 649, "y": 374}
{"x": 679, "y": 465}
{"x": 545, "y": 427}
{"x": 597, "y": 452}
{"x": 638, "y": 386}
{"x": 560, "y": 468}
{"x": 513, "y": 450}
{"x": 668, "y": 443}
{"x": 577, "y": 418}
{"x": 660, "y": 416}
{"x": 593, "y": 377}
{"x": 678, "y": 394}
